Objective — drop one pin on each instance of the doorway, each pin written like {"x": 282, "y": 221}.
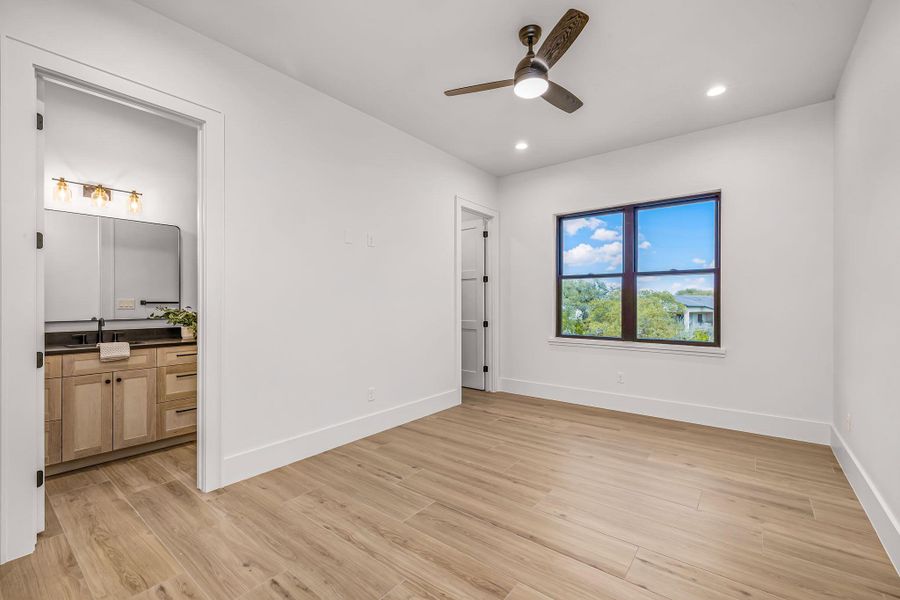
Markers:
{"x": 22, "y": 316}
{"x": 477, "y": 282}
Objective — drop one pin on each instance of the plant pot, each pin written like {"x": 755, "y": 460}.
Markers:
{"x": 187, "y": 333}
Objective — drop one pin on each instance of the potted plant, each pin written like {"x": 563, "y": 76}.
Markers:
{"x": 185, "y": 317}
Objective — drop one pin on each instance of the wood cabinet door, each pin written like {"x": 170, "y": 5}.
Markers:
{"x": 177, "y": 382}
{"x": 134, "y": 407}
{"x": 52, "y": 399}
{"x": 86, "y": 415}
{"x": 52, "y": 442}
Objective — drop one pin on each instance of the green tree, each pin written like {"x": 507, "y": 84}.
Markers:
{"x": 659, "y": 315}
{"x": 694, "y": 292}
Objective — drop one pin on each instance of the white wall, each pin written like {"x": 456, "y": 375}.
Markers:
{"x": 310, "y": 321}
{"x": 867, "y": 269}
{"x": 87, "y": 138}
{"x": 775, "y": 173}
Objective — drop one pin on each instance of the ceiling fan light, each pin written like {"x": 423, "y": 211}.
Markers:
{"x": 531, "y": 87}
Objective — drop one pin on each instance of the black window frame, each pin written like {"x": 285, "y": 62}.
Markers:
{"x": 629, "y": 273}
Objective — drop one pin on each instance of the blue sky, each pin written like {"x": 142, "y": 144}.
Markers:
{"x": 670, "y": 237}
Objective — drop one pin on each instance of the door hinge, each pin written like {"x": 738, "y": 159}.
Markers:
{"x": 484, "y": 234}
{"x": 40, "y": 360}
{"x": 40, "y": 240}
{"x": 484, "y": 323}
{"x": 484, "y": 279}
{"x": 40, "y": 478}
{"x": 40, "y": 122}
{"x": 484, "y": 368}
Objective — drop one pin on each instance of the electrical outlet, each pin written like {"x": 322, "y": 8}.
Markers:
{"x": 371, "y": 394}
{"x": 848, "y": 422}
{"x": 620, "y": 377}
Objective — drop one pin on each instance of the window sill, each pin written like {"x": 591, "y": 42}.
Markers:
{"x": 640, "y": 347}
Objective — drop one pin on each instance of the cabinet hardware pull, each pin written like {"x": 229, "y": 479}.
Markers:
{"x": 180, "y": 375}
{"x": 186, "y": 354}
{"x": 109, "y": 381}
{"x": 184, "y": 410}
{"x": 118, "y": 379}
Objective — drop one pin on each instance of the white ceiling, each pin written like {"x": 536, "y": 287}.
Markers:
{"x": 641, "y": 66}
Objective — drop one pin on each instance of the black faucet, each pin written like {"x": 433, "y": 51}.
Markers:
{"x": 100, "y": 325}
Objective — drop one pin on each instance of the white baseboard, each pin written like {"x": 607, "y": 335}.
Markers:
{"x": 885, "y": 522}
{"x": 265, "y": 458}
{"x": 739, "y": 420}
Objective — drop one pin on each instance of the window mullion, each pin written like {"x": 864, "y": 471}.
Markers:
{"x": 629, "y": 281}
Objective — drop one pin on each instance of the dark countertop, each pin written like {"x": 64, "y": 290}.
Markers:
{"x": 54, "y": 350}
{"x": 66, "y": 342}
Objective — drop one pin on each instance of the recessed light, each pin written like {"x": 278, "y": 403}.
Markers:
{"x": 716, "y": 90}
{"x": 522, "y": 146}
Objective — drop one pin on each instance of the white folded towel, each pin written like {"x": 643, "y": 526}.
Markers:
{"x": 110, "y": 351}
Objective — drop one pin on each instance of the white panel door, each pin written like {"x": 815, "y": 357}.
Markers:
{"x": 473, "y": 314}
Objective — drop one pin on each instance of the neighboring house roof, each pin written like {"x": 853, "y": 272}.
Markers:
{"x": 697, "y": 301}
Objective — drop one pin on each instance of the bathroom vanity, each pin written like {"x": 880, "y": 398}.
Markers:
{"x": 105, "y": 410}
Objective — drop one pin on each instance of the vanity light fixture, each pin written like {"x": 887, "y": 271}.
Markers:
{"x": 134, "y": 203}
{"x": 62, "y": 194}
{"x": 99, "y": 194}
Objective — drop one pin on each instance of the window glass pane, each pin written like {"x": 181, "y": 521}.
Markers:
{"x": 592, "y": 245}
{"x": 592, "y": 307}
{"x": 676, "y": 307}
{"x": 681, "y": 236}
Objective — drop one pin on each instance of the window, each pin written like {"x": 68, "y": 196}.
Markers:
{"x": 641, "y": 273}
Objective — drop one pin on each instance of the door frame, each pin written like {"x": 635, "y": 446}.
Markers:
{"x": 491, "y": 295}
{"x": 21, "y": 276}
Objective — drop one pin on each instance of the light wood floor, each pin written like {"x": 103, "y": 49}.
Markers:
{"x": 505, "y": 497}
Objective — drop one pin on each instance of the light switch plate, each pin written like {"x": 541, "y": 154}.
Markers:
{"x": 125, "y": 304}
{"x": 370, "y": 239}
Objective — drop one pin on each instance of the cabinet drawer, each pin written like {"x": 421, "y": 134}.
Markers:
{"x": 177, "y": 417}
{"x": 52, "y": 399}
{"x": 53, "y": 367}
{"x": 52, "y": 442}
{"x": 176, "y": 382}
{"x": 176, "y": 355}
{"x": 88, "y": 363}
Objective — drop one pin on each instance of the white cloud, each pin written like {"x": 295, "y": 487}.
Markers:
{"x": 644, "y": 245}
{"x": 573, "y": 226}
{"x": 584, "y": 255}
{"x": 703, "y": 263}
{"x": 605, "y": 235}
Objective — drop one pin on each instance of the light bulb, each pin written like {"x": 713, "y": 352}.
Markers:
{"x": 134, "y": 203}
{"x": 716, "y": 90}
{"x": 62, "y": 194}
{"x": 531, "y": 87}
{"x": 99, "y": 197}
{"x": 522, "y": 146}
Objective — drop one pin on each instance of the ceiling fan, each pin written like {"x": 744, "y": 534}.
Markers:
{"x": 530, "y": 79}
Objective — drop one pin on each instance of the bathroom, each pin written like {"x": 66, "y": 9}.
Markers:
{"x": 119, "y": 256}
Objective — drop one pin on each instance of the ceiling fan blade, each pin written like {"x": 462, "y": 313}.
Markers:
{"x": 481, "y": 87}
{"x": 562, "y": 98}
{"x": 562, "y": 36}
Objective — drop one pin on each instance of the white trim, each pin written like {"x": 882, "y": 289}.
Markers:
{"x": 18, "y": 323}
{"x": 271, "y": 456}
{"x": 739, "y": 420}
{"x": 885, "y": 522}
{"x": 492, "y": 354}
{"x": 639, "y": 347}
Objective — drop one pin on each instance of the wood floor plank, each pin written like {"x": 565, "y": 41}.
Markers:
{"x": 531, "y": 563}
{"x": 180, "y": 587}
{"x": 137, "y": 473}
{"x": 51, "y": 573}
{"x": 523, "y": 592}
{"x": 418, "y": 557}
